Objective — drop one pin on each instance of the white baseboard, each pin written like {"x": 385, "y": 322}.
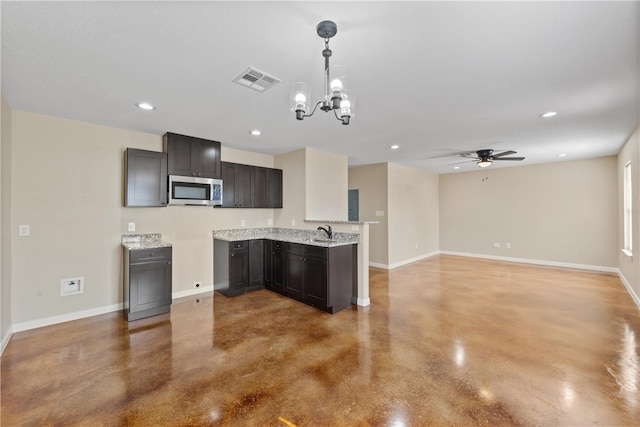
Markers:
{"x": 5, "y": 340}
{"x": 404, "y": 262}
{"x": 363, "y": 302}
{"x": 191, "y": 292}
{"x": 535, "y": 261}
{"x": 627, "y": 285}
{"x": 47, "y": 321}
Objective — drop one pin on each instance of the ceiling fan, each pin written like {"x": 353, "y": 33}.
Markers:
{"x": 484, "y": 158}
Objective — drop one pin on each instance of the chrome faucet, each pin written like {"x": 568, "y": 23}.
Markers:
{"x": 327, "y": 230}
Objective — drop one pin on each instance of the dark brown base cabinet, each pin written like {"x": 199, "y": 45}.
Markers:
{"x": 318, "y": 276}
{"x": 147, "y": 282}
{"x": 274, "y": 266}
{"x": 238, "y": 266}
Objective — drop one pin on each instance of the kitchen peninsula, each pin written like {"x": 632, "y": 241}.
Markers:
{"x": 313, "y": 267}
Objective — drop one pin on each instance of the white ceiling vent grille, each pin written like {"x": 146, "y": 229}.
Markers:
{"x": 256, "y": 79}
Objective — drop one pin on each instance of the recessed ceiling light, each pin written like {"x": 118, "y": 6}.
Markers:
{"x": 548, "y": 114}
{"x": 145, "y": 106}
{"x": 256, "y": 132}
{"x": 394, "y": 147}
{"x": 456, "y": 167}
{"x": 562, "y": 155}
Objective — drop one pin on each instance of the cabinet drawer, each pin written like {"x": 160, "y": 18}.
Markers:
{"x": 238, "y": 246}
{"x": 148, "y": 255}
{"x": 296, "y": 249}
{"x": 317, "y": 251}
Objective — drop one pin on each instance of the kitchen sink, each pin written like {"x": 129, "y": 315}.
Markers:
{"x": 323, "y": 240}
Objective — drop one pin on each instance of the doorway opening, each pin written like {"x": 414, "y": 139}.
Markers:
{"x": 354, "y": 205}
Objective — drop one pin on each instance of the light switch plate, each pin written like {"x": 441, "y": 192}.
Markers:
{"x": 132, "y": 226}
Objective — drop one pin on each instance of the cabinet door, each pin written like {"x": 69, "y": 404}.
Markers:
{"x": 256, "y": 263}
{"x": 277, "y": 265}
{"x": 244, "y": 186}
{"x": 260, "y": 187}
{"x": 145, "y": 178}
{"x": 228, "y": 185}
{"x": 205, "y": 156}
{"x": 315, "y": 285}
{"x": 178, "y": 148}
{"x": 238, "y": 272}
{"x": 268, "y": 264}
{"x": 273, "y": 188}
{"x": 149, "y": 285}
{"x": 294, "y": 272}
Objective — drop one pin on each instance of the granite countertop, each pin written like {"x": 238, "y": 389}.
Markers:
{"x": 333, "y": 221}
{"x": 305, "y": 237}
{"x": 144, "y": 241}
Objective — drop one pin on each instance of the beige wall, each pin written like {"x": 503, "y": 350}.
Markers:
{"x": 630, "y": 266}
{"x": 413, "y": 214}
{"x": 371, "y": 183}
{"x": 314, "y": 187}
{"x": 408, "y": 200}
{"x": 5, "y": 223}
{"x": 327, "y": 180}
{"x": 67, "y": 181}
{"x": 293, "y": 168}
{"x": 565, "y": 212}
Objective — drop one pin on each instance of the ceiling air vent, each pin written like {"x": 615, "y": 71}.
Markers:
{"x": 256, "y": 79}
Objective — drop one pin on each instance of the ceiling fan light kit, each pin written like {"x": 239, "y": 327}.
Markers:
{"x": 338, "y": 97}
{"x": 485, "y": 158}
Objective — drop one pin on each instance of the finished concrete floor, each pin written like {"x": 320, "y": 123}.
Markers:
{"x": 446, "y": 341}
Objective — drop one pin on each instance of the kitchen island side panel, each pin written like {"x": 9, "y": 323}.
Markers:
{"x": 220, "y": 265}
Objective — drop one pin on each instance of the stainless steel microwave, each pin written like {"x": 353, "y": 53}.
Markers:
{"x": 187, "y": 190}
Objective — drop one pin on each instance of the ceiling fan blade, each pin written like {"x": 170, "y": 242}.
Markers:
{"x": 508, "y": 158}
{"x": 504, "y": 153}
{"x": 466, "y": 161}
{"x": 469, "y": 156}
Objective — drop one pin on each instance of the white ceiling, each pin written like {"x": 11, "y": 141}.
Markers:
{"x": 436, "y": 78}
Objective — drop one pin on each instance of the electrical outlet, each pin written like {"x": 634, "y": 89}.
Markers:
{"x": 379, "y": 213}
{"x": 270, "y": 222}
{"x": 243, "y": 223}
{"x": 416, "y": 246}
{"x": 132, "y": 226}
{"x": 507, "y": 245}
{"x": 293, "y": 222}
{"x": 354, "y": 228}
{"x": 496, "y": 244}
{"x": 24, "y": 230}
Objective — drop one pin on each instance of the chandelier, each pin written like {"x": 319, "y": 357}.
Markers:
{"x": 337, "y": 95}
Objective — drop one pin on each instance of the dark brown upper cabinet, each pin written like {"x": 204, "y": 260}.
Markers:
{"x": 191, "y": 156}
{"x": 237, "y": 185}
{"x": 267, "y": 188}
{"x": 145, "y": 175}
{"x": 274, "y": 188}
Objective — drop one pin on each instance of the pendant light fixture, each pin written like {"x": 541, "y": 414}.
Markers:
{"x": 338, "y": 97}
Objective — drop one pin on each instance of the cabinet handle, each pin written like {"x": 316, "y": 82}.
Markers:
{"x": 151, "y": 254}
{"x": 168, "y": 262}
{"x": 231, "y": 254}
{"x": 193, "y": 174}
